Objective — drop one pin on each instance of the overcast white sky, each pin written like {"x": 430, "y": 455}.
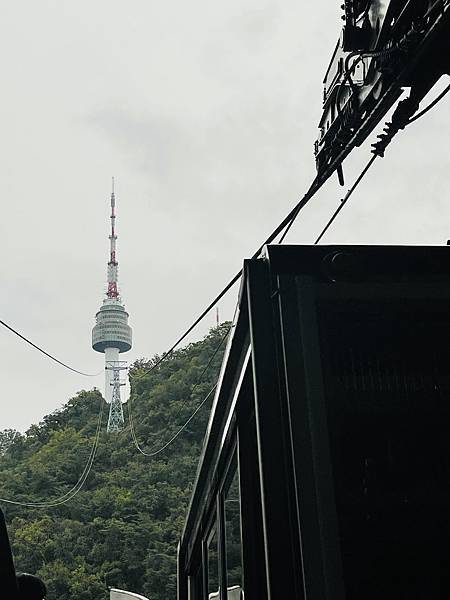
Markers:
{"x": 206, "y": 113}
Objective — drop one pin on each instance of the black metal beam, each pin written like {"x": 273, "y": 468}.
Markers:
{"x": 8, "y": 583}
{"x": 309, "y": 434}
{"x": 280, "y": 532}
{"x": 253, "y": 556}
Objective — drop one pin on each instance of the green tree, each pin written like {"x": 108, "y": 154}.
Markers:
{"x": 7, "y": 437}
{"x": 122, "y": 528}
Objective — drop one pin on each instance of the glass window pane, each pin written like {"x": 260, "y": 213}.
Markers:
{"x": 233, "y": 548}
{"x": 213, "y": 565}
{"x": 196, "y": 585}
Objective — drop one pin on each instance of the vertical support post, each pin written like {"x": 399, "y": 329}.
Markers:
{"x": 9, "y": 583}
{"x": 182, "y": 583}
{"x": 221, "y": 555}
{"x": 253, "y": 556}
{"x": 283, "y": 573}
{"x": 313, "y": 477}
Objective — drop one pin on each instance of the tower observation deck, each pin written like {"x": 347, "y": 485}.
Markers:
{"x": 111, "y": 334}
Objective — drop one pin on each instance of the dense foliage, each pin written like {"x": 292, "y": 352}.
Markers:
{"x": 121, "y": 530}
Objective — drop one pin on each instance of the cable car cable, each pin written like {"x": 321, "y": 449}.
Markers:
{"x": 369, "y": 164}
{"x": 430, "y": 106}
{"x": 183, "y": 404}
{"x": 315, "y": 186}
{"x": 289, "y": 225}
{"x": 78, "y": 485}
{"x": 282, "y": 228}
{"x": 345, "y": 199}
{"x": 63, "y": 364}
{"x": 174, "y": 437}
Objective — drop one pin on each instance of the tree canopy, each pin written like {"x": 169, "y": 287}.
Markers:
{"x": 121, "y": 530}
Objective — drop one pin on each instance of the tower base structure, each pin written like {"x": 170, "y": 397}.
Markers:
{"x": 112, "y": 389}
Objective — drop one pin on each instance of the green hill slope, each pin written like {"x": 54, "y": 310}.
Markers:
{"x": 122, "y": 528}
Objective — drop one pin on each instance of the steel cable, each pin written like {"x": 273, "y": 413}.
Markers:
{"x": 345, "y": 199}
{"x": 25, "y": 339}
{"x": 198, "y": 382}
{"x": 430, "y": 106}
{"x": 315, "y": 186}
{"x": 174, "y": 437}
{"x": 69, "y": 495}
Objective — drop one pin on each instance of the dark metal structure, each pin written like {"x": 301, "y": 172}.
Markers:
{"x": 385, "y": 47}
{"x": 325, "y": 469}
{"x": 8, "y": 584}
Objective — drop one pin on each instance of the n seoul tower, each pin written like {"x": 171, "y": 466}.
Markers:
{"x": 111, "y": 334}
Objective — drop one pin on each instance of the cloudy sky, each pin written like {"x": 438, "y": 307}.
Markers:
{"x": 206, "y": 113}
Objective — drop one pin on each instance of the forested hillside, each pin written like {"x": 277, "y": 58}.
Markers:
{"x": 122, "y": 528}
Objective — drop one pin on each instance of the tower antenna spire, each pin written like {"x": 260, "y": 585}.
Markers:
{"x": 113, "y": 264}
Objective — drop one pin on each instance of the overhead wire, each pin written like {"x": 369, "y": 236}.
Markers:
{"x": 346, "y": 198}
{"x": 288, "y": 221}
{"x": 70, "y": 494}
{"x": 315, "y": 186}
{"x": 198, "y": 382}
{"x": 60, "y": 362}
{"x": 283, "y": 228}
{"x": 430, "y": 106}
{"x": 287, "y": 224}
{"x": 174, "y": 437}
